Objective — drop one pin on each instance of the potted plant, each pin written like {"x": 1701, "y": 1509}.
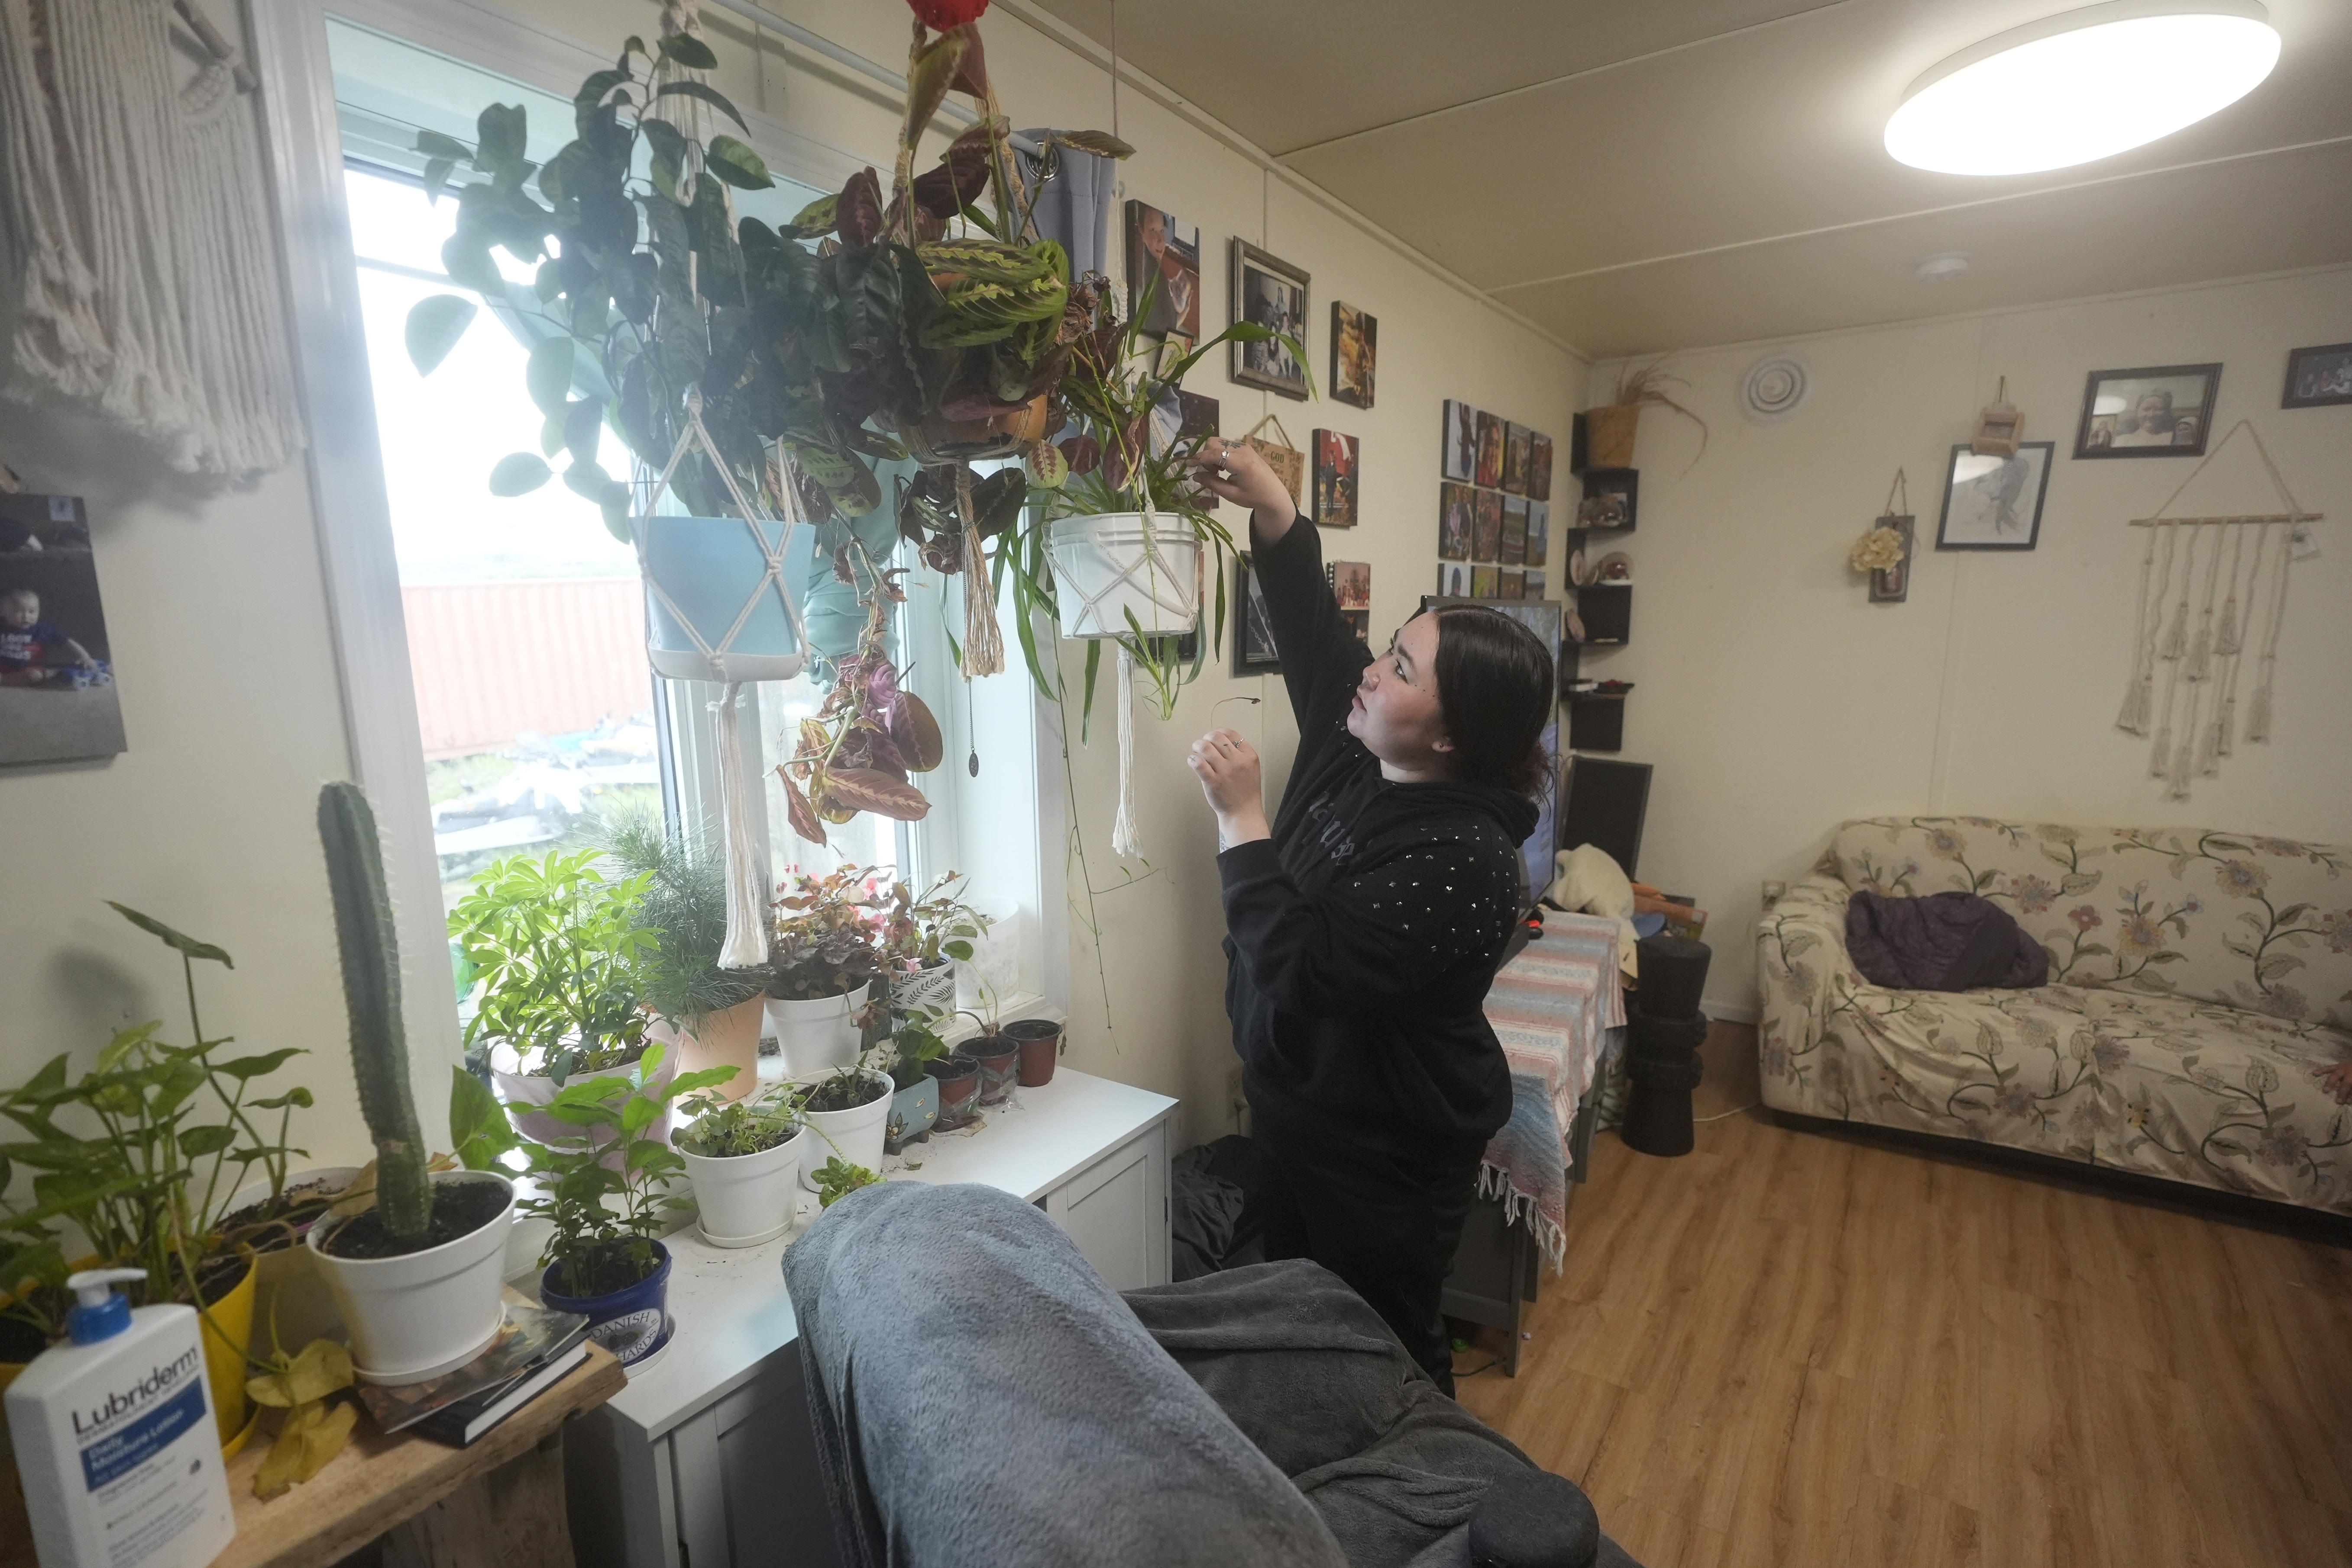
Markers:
{"x": 995, "y": 1053}
{"x": 416, "y": 1273}
{"x": 848, "y": 1110}
{"x": 561, "y": 958}
{"x": 915, "y": 1104}
{"x": 743, "y": 1159}
{"x": 601, "y": 1258}
{"x": 1040, "y": 1042}
{"x": 823, "y": 954}
{"x": 925, "y": 938}
{"x": 709, "y": 1014}
{"x": 1609, "y": 431}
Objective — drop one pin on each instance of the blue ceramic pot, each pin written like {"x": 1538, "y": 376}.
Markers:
{"x": 633, "y": 1323}
{"x": 914, "y": 1110}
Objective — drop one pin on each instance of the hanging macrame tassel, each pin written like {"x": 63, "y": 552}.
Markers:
{"x": 2176, "y": 636}
{"x": 2222, "y": 726}
{"x": 2159, "y": 756}
{"x": 2138, "y": 697}
{"x": 984, "y": 644}
{"x": 746, "y": 946}
{"x": 2258, "y": 709}
{"x": 2140, "y": 689}
{"x": 1123, "y": 840}
{"x": 2208, "y": 750}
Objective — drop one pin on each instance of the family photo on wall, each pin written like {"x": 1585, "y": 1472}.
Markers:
{"x": 57, "y": 701}
{"x": 1270, "y": 293}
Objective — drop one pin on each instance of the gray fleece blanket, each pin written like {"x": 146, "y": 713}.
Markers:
{"x": 983, "y": 1399}
{"x": 1400, "y": 1473}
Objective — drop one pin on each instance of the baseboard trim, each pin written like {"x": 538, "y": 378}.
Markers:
{"x": 2258, "y": 1213}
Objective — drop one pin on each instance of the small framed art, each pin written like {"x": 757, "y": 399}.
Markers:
{"x": 1486, "y": 525}
{"x": 1164, "y": 262}
{"x": 2316, "y": 377}
{"x": 1483, "y": 581}
{"x": 1995, "y": 503}
{"x": 1514, "y": 551}
{"x": 1519, "y": 445}
{"x": 1490, "y": 451}
{"x": 1254, "y": 649}
{"x": 1539, "y": 533}
{"x": 1355, "y": 347}
{"x": 1456, "y": 503}
{"x": 1336, "y": 479}
{"x": 1452, "y": 580}
{"x": 1458, "y": 444}
{"x": 1539, "y": 467}
{"x": 2158, "y": 411}
{"x": 1271, "y": 293}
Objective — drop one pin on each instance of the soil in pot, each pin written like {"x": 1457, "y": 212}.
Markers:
{"x": 846, "y": 1094}
{"x": 265, "y": 1228}
{"x": 460, "y": 1208}
{"x": 959, "y": 1092}
{"x": 1040, "y": 1040}
{"x": 604, "y": 1267}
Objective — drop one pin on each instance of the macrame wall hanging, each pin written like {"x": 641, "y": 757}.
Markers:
{"x": 138, "y": 228}
{"x": 2206, "y": 597}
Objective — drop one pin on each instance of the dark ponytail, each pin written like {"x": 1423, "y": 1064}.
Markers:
{"x": 1495, "y": 684}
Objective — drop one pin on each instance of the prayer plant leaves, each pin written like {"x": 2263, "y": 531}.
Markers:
{"x": 735, "y": 163}
{"x": 435, "y": 325}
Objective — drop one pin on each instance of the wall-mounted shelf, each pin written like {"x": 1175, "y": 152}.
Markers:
{"x": 1606, "y": 611}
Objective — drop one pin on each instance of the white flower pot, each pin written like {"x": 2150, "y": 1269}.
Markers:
{"x": 429, "y": 1312}
{"x": 1104, "y": 571}
{"x": 517, "y": 1087}
{"x": 815, "y": 1037}
{"x": 747, "y": 1199}
{"x": 933, "y": 988}
{"x": 855, "y": 1135}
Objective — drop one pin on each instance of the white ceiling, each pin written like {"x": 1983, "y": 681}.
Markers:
{"x": 1640, "y": 176}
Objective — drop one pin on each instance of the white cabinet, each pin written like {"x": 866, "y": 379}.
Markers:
{"x": 706, "y": 1459}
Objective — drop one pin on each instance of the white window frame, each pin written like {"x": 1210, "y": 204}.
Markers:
{"x": 361, "y": 572}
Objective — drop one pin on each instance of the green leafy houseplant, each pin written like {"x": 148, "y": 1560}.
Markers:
{"x": 921, "y": 932}
{"x": 684, "y": 905}
{"x": 838, "y": 1178}
{"x": 562, "y": 960}
{"x": 730, "y": 1129}
{"x": 826, "y": 937}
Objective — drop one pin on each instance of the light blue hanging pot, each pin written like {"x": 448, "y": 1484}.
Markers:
{"x": 718, "y": 597}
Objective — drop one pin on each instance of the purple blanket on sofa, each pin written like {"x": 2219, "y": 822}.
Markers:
{"x": 1944, "y": 942}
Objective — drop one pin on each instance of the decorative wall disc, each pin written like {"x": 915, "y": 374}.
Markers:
{"x": 1776, "y": 388}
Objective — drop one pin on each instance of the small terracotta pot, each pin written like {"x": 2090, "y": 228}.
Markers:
{"x": 959, "y": 1082}
{"x": 1041, "y": 1045}
{"x": 1609, "y": 436}
{"x": 943, "y": 440}
{"x": 999, "y": 1057}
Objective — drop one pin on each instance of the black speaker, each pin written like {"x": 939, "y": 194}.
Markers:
{"x": 1606, "y": 802}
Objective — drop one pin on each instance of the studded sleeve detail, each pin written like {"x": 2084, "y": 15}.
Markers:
{"x": 1394, "y": 927}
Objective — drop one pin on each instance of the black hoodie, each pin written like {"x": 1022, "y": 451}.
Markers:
{"x": 1363, "y": 935}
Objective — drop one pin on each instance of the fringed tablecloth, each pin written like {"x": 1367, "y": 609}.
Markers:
{"x": 1552, "y": 1007}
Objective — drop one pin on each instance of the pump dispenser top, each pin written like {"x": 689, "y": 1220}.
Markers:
{"x": 99, "y": 1311}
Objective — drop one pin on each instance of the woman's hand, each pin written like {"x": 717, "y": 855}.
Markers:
{"x": 1248, "y": 482}
{"x": 1227, "y": 768}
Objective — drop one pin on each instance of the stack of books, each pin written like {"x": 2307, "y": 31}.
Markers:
{"x": 534, "y": 1351}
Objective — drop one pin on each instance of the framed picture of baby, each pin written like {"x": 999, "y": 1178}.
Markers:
{"x": 56, "y": 674}
{"x": 2161, "y": 411}
{"x": 1163, "y": 272}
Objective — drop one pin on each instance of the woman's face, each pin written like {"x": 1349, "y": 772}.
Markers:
{"x": 1396, "y": 712}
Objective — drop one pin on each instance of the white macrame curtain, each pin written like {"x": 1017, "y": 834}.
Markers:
{"x": 138, "y": 227}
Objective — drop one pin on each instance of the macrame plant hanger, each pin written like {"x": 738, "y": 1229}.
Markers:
{"x": 747, "y": 880}
{"x": 2201, "y": 652}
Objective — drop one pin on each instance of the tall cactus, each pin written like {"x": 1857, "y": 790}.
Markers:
{"x": 371, "y": 958}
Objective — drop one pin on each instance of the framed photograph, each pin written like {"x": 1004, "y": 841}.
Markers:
{"x": 2161, "y": 411}
{"x": 1455, "y": 505}
{"x": 1270, "y": 293}
{"x": 1351, "y": 582}
{"x": 1355, "y": 346}
{"x": 1514, "y": 551}
{"x": 1510, "y": 584}
{"x": 1163, "y": 272}
{"x": 57, "y": 701}
{"x": 1458, "y": 443}
{"x": 1892, "y": 585}
{"x": 1336, "y": 458}
{"x": 1490, "y": 451}
{"x": 1995, "y": 503}
{"x": 1254, "y": 649}
{"x": 1532, "y": 584}
{"x": 1539, "y": 533}
{"x": 1540, "y": 468}
{"x": 1483, "y": 581}
{"x": 1518, "y": 447}
{"x": 1452, "y": 580}
{"x": 1486, "y": 525}
{"x": 2318, "y": 377}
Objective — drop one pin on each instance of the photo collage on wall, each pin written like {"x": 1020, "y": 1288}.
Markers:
{"x": 1493, "y": 507}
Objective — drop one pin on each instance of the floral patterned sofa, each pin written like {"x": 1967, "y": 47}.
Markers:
{"x": 2199, "y": 983}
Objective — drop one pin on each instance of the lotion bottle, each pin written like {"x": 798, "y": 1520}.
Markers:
{"x": 114, "y": 1438}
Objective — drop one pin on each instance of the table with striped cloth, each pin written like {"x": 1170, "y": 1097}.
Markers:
{"x": 1552, "y": 1007}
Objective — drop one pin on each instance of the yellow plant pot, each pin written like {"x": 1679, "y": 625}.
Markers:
{"x": 227, "y": 1332}
{"x": 1609, "y": 436}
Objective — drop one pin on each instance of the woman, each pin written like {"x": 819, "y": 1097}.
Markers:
{"x": 1366, "y": 920}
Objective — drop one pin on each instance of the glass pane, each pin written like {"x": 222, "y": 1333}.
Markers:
{"x": 526, "y": 623}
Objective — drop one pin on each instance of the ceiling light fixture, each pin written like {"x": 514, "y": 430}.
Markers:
{"x": 2082, "y": 86}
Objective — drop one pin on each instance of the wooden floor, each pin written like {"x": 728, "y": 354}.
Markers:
{"x": 1791, "y": 1349}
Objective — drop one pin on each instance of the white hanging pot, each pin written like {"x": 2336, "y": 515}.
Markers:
{"x": 746, "y": 1199}
{"x": 856, "y": 1134}
{"x": 716, "y": 593}
{"x": 424, "y": 1314}
{"x": 817, "y": 1036}
{"x": 1108, "y": 566}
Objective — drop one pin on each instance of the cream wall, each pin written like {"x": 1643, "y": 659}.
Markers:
{"x": 227, "y": 671}
{"x": 1776, "y": 701}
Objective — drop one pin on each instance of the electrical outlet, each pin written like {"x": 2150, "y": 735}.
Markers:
{"x": 1773, "y": 892}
